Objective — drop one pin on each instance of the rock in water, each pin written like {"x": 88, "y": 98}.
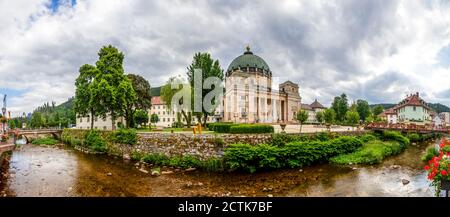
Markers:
{"x": 145, "y": 171}
{"x": 405, "y": 181}
{"x": 109, "y": 174}
{"x": 166, "y": 172}
{"x": 190, "y": 169}
{"x": 155, "y": 173}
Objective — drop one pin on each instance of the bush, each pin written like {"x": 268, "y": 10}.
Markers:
{"x": 414, "y": 137}
{"x": 45, "y": 141}
{"x": 223, "y": 127}
{"x": 430, "y": 153}
{"x": 322, "y": 136}
{"x": 212, "y": 164}
{"x": 95, "y": 142}
{"x": 371, "y": 153}
{"x": 251, "y": 128}
{"x": 125, "y": 136}
{"x": 157, "y": 159}
{"x": 293, "y": 154}
{"x": 367, "y": 138}
{"x": 280, "y": 139}
{"x": 395, "y": 136}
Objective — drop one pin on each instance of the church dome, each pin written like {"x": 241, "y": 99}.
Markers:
{"x": 248, "y": 62}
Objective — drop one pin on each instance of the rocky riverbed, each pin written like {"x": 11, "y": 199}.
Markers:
{"x": 61, "y": 171}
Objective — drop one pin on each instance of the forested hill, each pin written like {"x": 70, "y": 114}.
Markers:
{"x": 438, "y": 107}
{"x": 53, "y": 115}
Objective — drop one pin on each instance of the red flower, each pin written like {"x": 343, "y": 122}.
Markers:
{"x": 436, "y": 164}
{"x": 427, "y": 167}
{"x": 443, "y": 172}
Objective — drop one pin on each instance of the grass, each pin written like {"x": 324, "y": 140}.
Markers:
{"x": 372, "y": 152}
{"x": 45, "y": 141}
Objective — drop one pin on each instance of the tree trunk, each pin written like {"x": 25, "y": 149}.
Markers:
{"x": 205, "y": 119}
{"x": 188, "y": 119}
{"x": 92, "y": 119}
{"x": 113, "y": 121}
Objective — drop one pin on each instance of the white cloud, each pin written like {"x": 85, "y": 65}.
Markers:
{"x": 377, "y": 50}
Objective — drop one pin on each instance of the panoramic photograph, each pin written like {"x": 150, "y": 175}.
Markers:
{"x": 224, "y": 99}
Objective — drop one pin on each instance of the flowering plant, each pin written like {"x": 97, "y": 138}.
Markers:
{"x": 4, "y": 138}
{"x": 439, "y": 166}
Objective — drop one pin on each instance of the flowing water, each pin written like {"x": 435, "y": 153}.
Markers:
{"x": 61, "y": 171}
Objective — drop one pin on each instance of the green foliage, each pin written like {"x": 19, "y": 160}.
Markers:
{"x": 319, "y": 117}
{"x": 125, "y": 136}
{"x": 251, "y": 128}
{"x": 212, "y": 164}
{"x": 413, "y": 137}
{"x": 136, "y": 156}
{"x": 169, "y": 91}
{"x": 302, "y": 116}
{"x": 371, "y": 153}
{"x": 293, "y": 154}
{"x": 363, "y": 109}
{"x": 429, "y": 154}
{"x": 377, "y": 110}
{"x": 223, "y": 127}
{"x": 329, "y": 116}
{"x": 367, "y": 138}
{"x": 395, "y": 136}
{"x": 156, "y": 159}
{"x": 36, "y": 120}
{"x": 45, "y": 141}
{"x": 141, "y": 117}
{"x": 340, "y": 106}
{"x": 154, "y": 118}
{"x": 352, "y": 117}
{"x": 322, "y": 136}
{"x": 95, "y": 142}
{"x": 280, "y": 139}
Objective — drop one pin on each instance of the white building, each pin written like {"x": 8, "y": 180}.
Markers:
{"x": 312, "y": 110}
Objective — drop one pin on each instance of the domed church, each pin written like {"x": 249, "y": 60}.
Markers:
{"x": 250, "y": 97}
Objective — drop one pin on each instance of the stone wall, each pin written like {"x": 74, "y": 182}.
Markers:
{"x": 203, "y": 146}
{"x": 178, "y": 144}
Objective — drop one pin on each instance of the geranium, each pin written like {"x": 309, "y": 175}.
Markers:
{"x": 439, "y": 166}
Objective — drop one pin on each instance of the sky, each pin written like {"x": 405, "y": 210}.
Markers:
{"x": 374, "y": 50}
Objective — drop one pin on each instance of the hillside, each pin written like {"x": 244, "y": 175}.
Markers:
{"x": 53, "y": 114}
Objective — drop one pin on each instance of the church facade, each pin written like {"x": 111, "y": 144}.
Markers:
{"x": 250, "y": 96}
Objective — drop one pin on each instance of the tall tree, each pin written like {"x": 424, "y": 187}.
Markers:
{"x": 113, "y": 85}
{"x": 154, "y": 119}
{"x": 141, "y": 117}
{"x": 363, "y": 109}
{"x": 319, "y": 117}
{"x": 352, "y": 117}
{"x": 36, "y": 120}
{"x": 329, "y": 116}
{"x": 168, "y": 93}
{"x": 143, "y": 97}
{"x": 377, "y": 110}
{"x": 302, "y": 116}
{"x": 85, "y": 103}
{"x": 209, "y": 68}
{"x": 340, "y": 106}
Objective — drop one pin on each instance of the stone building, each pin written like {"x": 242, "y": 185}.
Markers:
{"x": 412, "y": 109}
{"x": 250, "y": 97}
{"x": 312, "y": 110}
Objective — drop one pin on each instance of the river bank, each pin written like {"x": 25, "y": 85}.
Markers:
{"x": 62, "y": 171}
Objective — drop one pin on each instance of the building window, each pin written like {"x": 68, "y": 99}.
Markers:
{"x": 164, "y": 120}
{"x": 164, "y": 112}
{"x": 81, "y": 120}
{"x": 104, "y": 118}
{"x": 104, "y": 127}
{"x": 414, "y": 108}
{"x": 88, "y": 119}
{"x": 96, "y": 119}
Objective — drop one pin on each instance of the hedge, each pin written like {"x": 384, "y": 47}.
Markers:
{"x": 221, "y": 127}
{"x": 251, "y": 128}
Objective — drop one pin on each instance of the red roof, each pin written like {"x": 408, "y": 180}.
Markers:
{"x": 156, "y": 100}
{"x": 412, "y": 100}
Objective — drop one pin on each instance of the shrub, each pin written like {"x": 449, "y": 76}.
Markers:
{"x": 293, "y": 154}
{"x": 395, "y": 136}
{"x": 157, "y": 159}
{"x": 430, "y": 153}
{"x": 322, "y": 136}
{"x": 371, "y": 153}
{"x": 414, "y": 137}
{"x": 212, "y": 164}
{"x": 95, "y": 142}
{"x": 137, "y": 156}
{"x": 223, "y": 127}
{"x": 367, "y": 138}
{"x": 251, "y": 128}
{"x": 280, "y": 139}
{"x": 45, "y": 141}
{"x": 125, "y": 136}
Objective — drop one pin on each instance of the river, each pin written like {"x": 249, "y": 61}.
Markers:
{"x": 61, "y": 171}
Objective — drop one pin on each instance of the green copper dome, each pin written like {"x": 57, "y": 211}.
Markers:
{"x": 247, "y": 60}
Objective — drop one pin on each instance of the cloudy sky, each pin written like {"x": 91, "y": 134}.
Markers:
{"x": 376, "y": 50}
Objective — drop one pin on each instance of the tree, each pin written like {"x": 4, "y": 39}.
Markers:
{"x": 340, "y": 107}
{"x": 37, "y": 120}
{"x": 209, "y": 68}
{"x": 377, "y": 110}
{"x": 168, "y": 93}
{"x": 143, "y": 97}
{"x": 301, "y": 117}
{"x": 141, "y": 117}
{"x": 319, "y": 117}
{"x": 154, "y": 119}
{"x": 85, "y": 102}
{"x": 112, "y": 86}
{"x": 363, "y": 109}
{"x": 352, "y": 117}
{"x": 329, "y": 115}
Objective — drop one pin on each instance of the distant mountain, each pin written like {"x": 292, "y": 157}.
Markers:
{"x": 155, "y": 91}
{"x": 437, "y": 107}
